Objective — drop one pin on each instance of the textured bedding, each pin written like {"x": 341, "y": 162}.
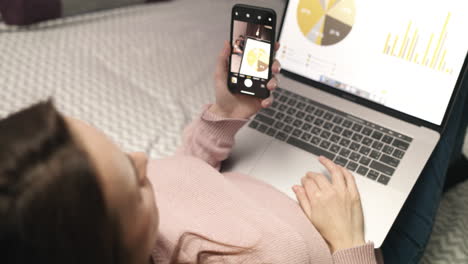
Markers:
{"x": 140, "y": 74}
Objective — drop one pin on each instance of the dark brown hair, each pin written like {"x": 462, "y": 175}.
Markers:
{"x": 52, "y": 209}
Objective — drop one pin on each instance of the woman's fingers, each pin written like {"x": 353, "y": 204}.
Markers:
{"x": 350, "y": 183}
{"x": 222, "y": 65}
{"x": 277, "y": 46}
{"x": 321, "y": 181}
{"x": 272, "y": 84}
{"x": 303, "y": 199}
{"x": 267, "y": 102}
{"x": 335, "y": 172}
{"x": 276, "y": 67}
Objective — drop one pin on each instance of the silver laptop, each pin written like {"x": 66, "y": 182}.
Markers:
{"x": 367, "y": 84}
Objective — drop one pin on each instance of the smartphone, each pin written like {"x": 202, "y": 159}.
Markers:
{"x": 252, "y": 49}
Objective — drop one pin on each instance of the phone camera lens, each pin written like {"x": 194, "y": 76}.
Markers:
{"x": 237, "y": 13}
{"x": 247, "y": 15}
{"x": 259, "y": 17}
{"x": 269, "y": 19}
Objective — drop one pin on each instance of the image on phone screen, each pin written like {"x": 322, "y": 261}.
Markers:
{"x": 250, "y": 58}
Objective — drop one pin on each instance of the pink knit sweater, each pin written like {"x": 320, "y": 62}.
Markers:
{"x": 192, "y": 195}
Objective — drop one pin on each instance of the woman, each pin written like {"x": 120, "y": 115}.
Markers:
{"x": 69, "y": 195}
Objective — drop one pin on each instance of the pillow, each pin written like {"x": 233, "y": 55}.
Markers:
{"x": 26, "y": 12}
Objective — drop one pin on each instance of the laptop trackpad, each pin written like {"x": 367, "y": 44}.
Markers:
{"x": 283, "y": 166}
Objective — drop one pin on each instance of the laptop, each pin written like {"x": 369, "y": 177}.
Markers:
{"x": 367, "y": 84}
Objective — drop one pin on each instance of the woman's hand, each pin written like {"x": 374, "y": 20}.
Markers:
{"x": 239, "y": 105}
{"x": 334, "y": 208}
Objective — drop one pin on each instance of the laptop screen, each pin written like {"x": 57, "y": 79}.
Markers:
{"x": 405, "y": 55}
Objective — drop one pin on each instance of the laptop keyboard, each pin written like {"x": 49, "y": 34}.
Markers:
{"x": 358, "y": 145}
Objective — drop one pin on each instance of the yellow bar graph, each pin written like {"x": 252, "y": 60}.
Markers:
{"x": 440, "y": 40}
{"x": 417, "y": 48}
{"x": 404, "y": 41}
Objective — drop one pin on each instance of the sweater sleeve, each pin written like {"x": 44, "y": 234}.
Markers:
{"x": 364, "y": 254}
{"x": 210, "y": 137}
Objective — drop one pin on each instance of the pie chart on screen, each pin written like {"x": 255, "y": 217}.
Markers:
{"x": 325, "y": 22}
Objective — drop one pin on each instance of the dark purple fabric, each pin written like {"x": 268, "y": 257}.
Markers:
{"x": 25, "y": 12}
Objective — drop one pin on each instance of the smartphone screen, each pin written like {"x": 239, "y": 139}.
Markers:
{"x": 252, "y": 39}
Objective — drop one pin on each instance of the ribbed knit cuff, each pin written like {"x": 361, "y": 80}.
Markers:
{"x": 220, "y": 127}
{"x": 364, "y": 254}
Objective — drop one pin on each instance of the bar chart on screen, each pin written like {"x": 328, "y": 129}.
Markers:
{"x": 427, "y": 50}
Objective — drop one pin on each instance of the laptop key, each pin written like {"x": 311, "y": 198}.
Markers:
{"x": 306, "y": 127}
{"x": 253, "y": 124}
{"x": 347, "y": 133}
{"x": 400, "y": 144}
{"x": 367, "y": 141}
{"x": 306, "y": 137}
{"x": 374, "y": 154}
{"x": 398, "y": 154}
{"x": 355, "y": 146}
{"x": 287, "y": 129}
{"x": 297, "y": 132}
{"x": 301, "y": 105}
{"x": 364, "y": 150}
{"x": 271, "y": 132}
{"x": 345, "y": 152}
{"x": 288, "y": 120}
{"x": 387, "y": 139}
{"x": 283, "y": 99}
{"x": 377, "y": 135}
{"x": 310, "y": 148}
{"x": 377, "y": 145}
{"x": 281, "y": 136}
{"x": 337, "y": 120}
{"x": 347, "y": 124}
{"x": 268, "y": 111}
{"x": 279, "y": 116}
{"x": 380, "y": 167}
{"x": 344, "y": 142}
{"x": 318, "y": 122}
{"x": 367, "y": 131}
{"x": 274, "y": 105}
{"x": 283, "y": 107}
{"x": 316, "y": 130}
{"x": 341, "y": 161}
{"x": 262, "y": 128}
{"x": 318, "y": 112}
{"x": 309, "y": 118}
{"x": 328, "y": 116}
{"x": 292, "y": 102}
{"x": 328, "y": 125}
{"x": 335, "y": 138}
{"x": 352, "y": 166}
{"x": 291, "y": 111}
{"x": 357, "y": 127}
{"x": 310, "y": 109}
{"x": 297, "y": 123}
{"x": 362, "y": 170}
{"x": 383, "y": 179}
{"x": 300, "y": 114}
{"x": 335, "y": 148}
{"x": 315, "y": 140}
{"x": 357, "y": 137}
{"x": 325, "y": 144}
{"x": 389, "y": 160}
{"x": 364, "y": 161}
{"x": 325, "y": 134}
{"x": 354, "y": 156}
{"x": 279, "y": 125}
{"x": 373, "y": 175}
{"x": 337, "y": 129}
{"x": 387, "y": 149}
{"x": 264, "y": 119}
